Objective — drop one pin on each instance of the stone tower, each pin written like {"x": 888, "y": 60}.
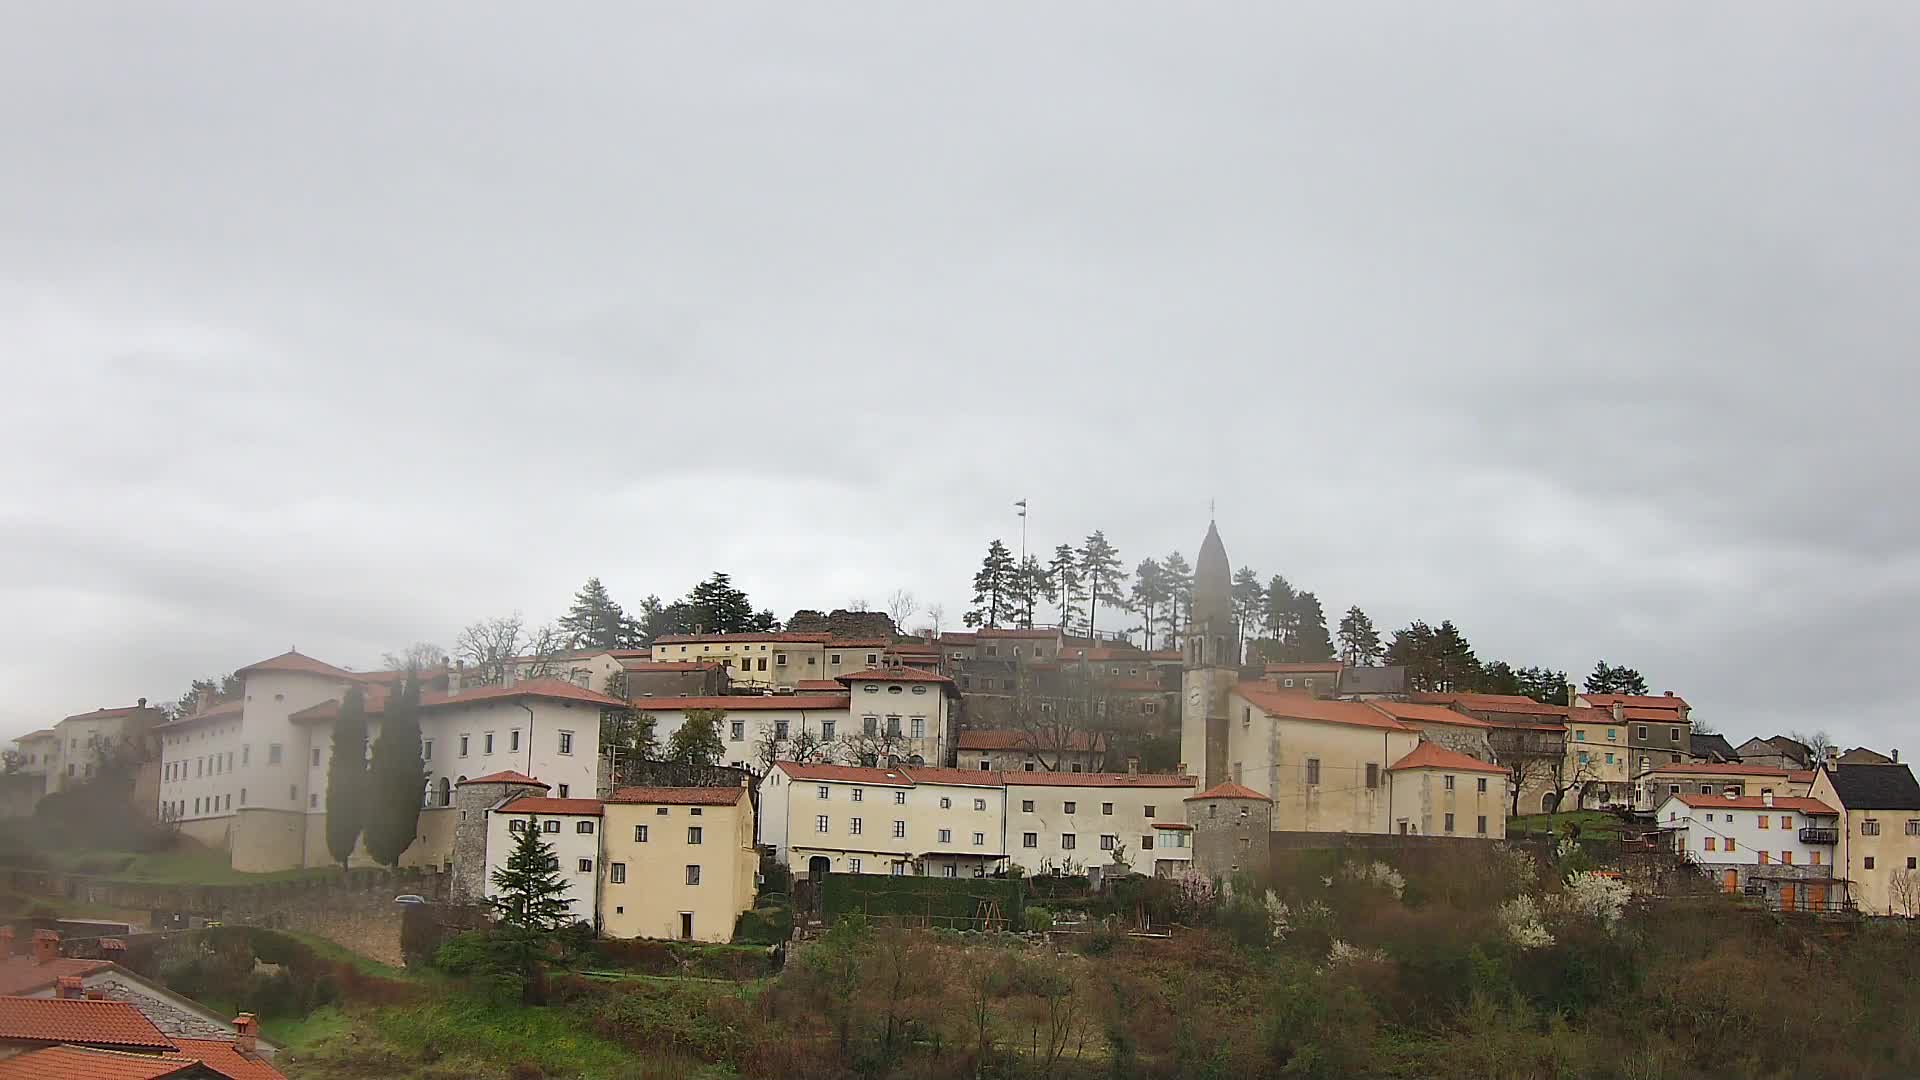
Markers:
{"x": 473, "y": 799}
{"x": 1212, "y": 662}
{"x": 1230, "y": 827}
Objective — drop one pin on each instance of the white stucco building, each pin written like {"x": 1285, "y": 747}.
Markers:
{"x": 1067, "y": 822}
{"x": 1742, "y": 840}
{"x": 902, "y": 713}
{"x": 571, "y": 827}
{"x": 906, "y": 820}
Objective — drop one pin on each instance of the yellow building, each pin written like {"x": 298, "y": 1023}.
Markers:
{"x": 677, "y": 862}
{"x": 774, "y": 659}
{"x": 1598, "y": 764}
{"x": 1709, "y": 778}
{"x": 1323, "y": 763}
{"x": 1434, "y": 791}
{"x": 1878, "y": 852}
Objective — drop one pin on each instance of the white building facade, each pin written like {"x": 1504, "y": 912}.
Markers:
{"x": 1760, "y": 841}
{"x": 855, "y": 820}
{"x": 571, "y": 827}
{"x": 1066, "y": 822}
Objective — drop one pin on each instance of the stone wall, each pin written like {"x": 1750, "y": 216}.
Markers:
{"x": 214, "y": 832}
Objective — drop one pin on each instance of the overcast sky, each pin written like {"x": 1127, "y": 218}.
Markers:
{"x": 339, "y": 329}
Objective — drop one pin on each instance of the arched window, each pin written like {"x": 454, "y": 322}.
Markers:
{"x": 446, "y": 792}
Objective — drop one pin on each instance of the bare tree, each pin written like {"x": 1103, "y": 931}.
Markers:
{"x": 1531, "y": 770}
{"x": 859, "y": 603}
{"x": 901, "y": 606}
{"x": 418, "y": 656}
{"x": 1819, "y": 745}
{"x": 936, "y": 614}
{"x": 1903, "y": 893}
{"x": 488, "y": 646}
{"x": 880, "y": 747}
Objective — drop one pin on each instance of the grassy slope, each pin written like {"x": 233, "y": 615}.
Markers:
{"x": 1593, "y": 824}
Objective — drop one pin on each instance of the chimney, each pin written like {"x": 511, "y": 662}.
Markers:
{"x": 1133, "y": 766}
{"x": 69, "y": 987}
{"x": 141, "y": 704}
{"x": 1895, "y": 755}
{"x": 46, "y": 946}
{"x": 96, "y": 993}
{"x": 113, "y": 950}
{"x": 509, "y": 673}
{"x": 206, "y": 699}
{"x": 1669, "y": 693}
{"x": 454, "y": 675}
{"x": 1766, "y": 798}
{"x": 246, "y": 1030}
{"x": 1619, "y": 713}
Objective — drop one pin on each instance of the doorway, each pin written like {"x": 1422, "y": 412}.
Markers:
{"x": 1788, "y": 900}
{"x": 1816, "y": 898}
{"x": 686, "y": 926}
{"x": 819, "y": 867}
{"x": 1730, "y": 881}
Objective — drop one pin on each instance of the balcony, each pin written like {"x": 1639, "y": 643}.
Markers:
{"x": 1819, "y": 836}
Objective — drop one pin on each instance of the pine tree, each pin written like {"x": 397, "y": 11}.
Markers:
{"x": 1456, "y": 668}
{"x": 1100, "y": 569}
{"x": 993, "y": 587}
{"x": 1149, "y": 594}
{"x": 1310, "y": 640}
{"x": 1030, "y": 584}
{"x": 1608, "y": 679}
{"x": 1359, "y": 641}
{"x": 1179, "y": 579}
{"x": 397, "y": 778}
{"x": 1063, "y": 581}
{"x": 1413, "y": 649}
{"x": 347, "y": 778}
{"x": 1249, "y": 599}
{"x": 1543, "y": 684}
{"x": 528, "y": 892}
{"x": 1280, "y": 617}
{"x": 697, "y": 740}
{"x": 596, "y": 622}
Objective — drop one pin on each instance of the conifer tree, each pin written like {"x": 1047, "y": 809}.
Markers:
{"x": 397, "y": 778}
{"x": 347, "y": 778}
{"x": 596, "y": 621}
{"x": 716, "y": 607}
{"x": 1281, "y": 616}
{"x": 1608, "y": 679}
{"x": 1179, "y": 578}
{"x": 1063, "y": 580}
{"x": 1359, "y": 641}
{"x": 528, "y": 891}
{"x": 1310, "y": 640}
{"x": 993, "y": 587}
{"x": 1030, "y": 584}
{"x": 1249, "y": 599}
{"x": 1149, "y": 594}
{"x": 1100, "y": 570}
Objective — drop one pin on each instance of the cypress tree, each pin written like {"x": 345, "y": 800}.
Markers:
{"x": 347, "y": 778}
{"x": 397, "y": 779}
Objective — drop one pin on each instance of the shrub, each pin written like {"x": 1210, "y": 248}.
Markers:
{"x": 1039, "y": 920}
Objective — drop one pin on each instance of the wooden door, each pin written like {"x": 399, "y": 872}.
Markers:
{"x": 1816, "y": 897}
{"x": 1787, "y": 898}
{"x": 1730, "y": 881}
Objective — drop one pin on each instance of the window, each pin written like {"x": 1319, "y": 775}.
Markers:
{"x": 660, "y": 811}
{"x": 893, "y": 725}
{"x": 313, "y": 800}
{"x": 826, "y": 730}
{"x": 979, "y": 839}
{"x": 873, "y": 659}
{"x": 486, "y": 743}
{"x": 585, "y": 866}
{"x": 853, "y": 826}
{"x": 1030, "y": 840}
{"x": 293, "y": 792}
{"x": 949, "y": 870}
{"x": 1643, "y": 733}
{"x": 1785, "y": 856}
{"x": 985, "y": 766}
{"x": 1709, "y": 845}
{"x": 739, "y": 730}
{"x": 1673, "y": 734}
{"x": 836, "y": 659}
{"x": 1786, "y": 821}
{"x": 566, "y": 742}
{"x": 1071, "y": 807}
{"x": 822, "y": 792}
{"x": 513, "y": 740}
{"x": 820, "y": 823}
{"x": 899, "y": 798}
{"x": 617, "y": 873}
{"x": 693, "y": 834}
{"x": 273, "y": 754}
{"x": 1480, "y": 786}
{"x": 693, "y": 874}
{"x": 1815, "y": 858}
{"x": 1066, "y": 841}
{"x": 853, "y": 864}
{"x": 316, "y": 756}
{"x": 1313, "y": 770}
{"x": 870, "y": 725}
{"x": 979, "y": 804}
{"x": 1911, "y": 862}
{"x": 584, "y": 828}
{"x": 919, "y": 728}
{"x": 1449, "y": 824}
{"x": 779, "y": 659}
{"x": 1913, "y": 826}
{"x": 946, "y": 803}
{"x": 1867, "y": 863}
{"x": 1481, "y": 826}
{"x": 780, "y": 730}
{"x": 246, "y": 754}
{"x": 1763, "y": 821}
{"x": 1107, "y": 842}
{"x": 946, "y": 836}
{"x": 1026, "y": 806}
{"x": 426, "y": 749}
{"x": 859, "y": 794}
{"x": 1870, "y": 827}
{"x": 1106, "y": 808}
{"x": 463, "y": 746}
{"x": 1149, "y": 810}
{"x": 563, "y": 792}
{"x": 550, "y": 826}
{"x": 899, "y": 830}
{"x": 762, "y": 665}
{"x": 639, "y": 834}
{"x": 1373, "y": 774}
{"x": 553, "y": 862}
{"x": 1729, "y": 843}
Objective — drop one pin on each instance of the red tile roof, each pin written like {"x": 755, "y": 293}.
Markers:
{"x": 1413, "y": 712}
{"x": 110, "y": 714}
{"x": 20, "y": 975}
{"x": 1007, "y": 739}
{"x": 846, "y": 774}
{"x": 1756, "y": 802}
{"x": 1800, "y": 776}
{"x": 43, "y": 733}
{"x": 1299, "y": 705}
{"x": 1173, "y": 824}
{"x": 299, "y": 663}
{"x": 508, "y": 777}
{"x": 1430, "y": 755}
{"x": 536, "y": 804}
{"x": 1228, "y": 790}
{"x": 669, "y": 665}
{"x": 900, "y": 674}
{"x": 744, "y": 702}
{"x": 219, "y": 710}
{"x": 694, "y": 639}
{"x": 223, "y": 1057}
{"x": 1094, "y": 779}
{"x": 1721, "y": 768}
{"x": 1666, "y": 702}
{"x": 79, "y": 1063}
{"x": 830, "y": 686}
{"x": 998, "y": 632}
{"x": 547, "y": 689}
{"x": 1493, "y": 703}
{"x": 79, "y": 1020}
{"x": 958, "y": 638}
{"x": 679, "y": 796}
{"x": 927, "y": 774}
{"x": 1307, "y": 666}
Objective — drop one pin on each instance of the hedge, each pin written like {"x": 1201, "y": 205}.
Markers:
{"x": 952, "y": 902}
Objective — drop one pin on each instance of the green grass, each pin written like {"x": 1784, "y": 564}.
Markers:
{"x": 470, "y": 1028}
{"x": 1594, "y": 824}
{"x": 304, "y": 1032}
{"x": 366, "y": 965}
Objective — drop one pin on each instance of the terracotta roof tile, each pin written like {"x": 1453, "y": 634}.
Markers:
{"x": 1756, "y": 802}
{"x": 110, "y": 714}
{"x": 695, "y": 639}
{"x": 79, "y": 1063}
{"x": 669, "y": 665}
{"x": 829, "y": 686}
{"x": 219, "y": 710}
{"x": 1298, "y": 705}
{"x": 744, "y": 702}
{"x": 507, "y": 777}
{"x": 1413, "y": 712}
{"x": 20, "y": 975}
{"x": 926, "y": 774}
{"x": 535, "y": 804}
{"x": 679, "y": 796}
{"x": 225, "y": 1058}
{"x": 549, "y": 689}
{"x": 299, "y": 663}
{"x": 1092, "y": 779}
{"x": 998, "y": 632}
{"x": 43, "y": 733}
{"x": 1430, "y": 755}
{"x": 1228, "y": 790}
{"x": 1665, "y": 702}
{"x": 846, "y": 774}
{"x": 79, "y": 1020}
{"x": 1720, "y": 768}
{"x": 904, "y": 674}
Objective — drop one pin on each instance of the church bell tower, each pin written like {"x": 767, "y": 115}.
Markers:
{"x": 1212, "y": 663}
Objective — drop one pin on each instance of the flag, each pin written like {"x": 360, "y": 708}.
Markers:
{"x": 1022, "y": 504}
